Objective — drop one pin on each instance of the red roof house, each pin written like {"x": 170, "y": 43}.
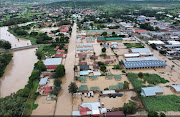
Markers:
{"x": 82, "y": 63}
{"x": 140, "y": 30}
{"x": 59, "y": 55}
{"x": 60, "y": 51}
{"x": 47, "y": 90}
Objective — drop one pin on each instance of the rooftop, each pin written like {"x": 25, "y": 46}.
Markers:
{"x": 151, "y": 91}
{"x": 53, "y": 61}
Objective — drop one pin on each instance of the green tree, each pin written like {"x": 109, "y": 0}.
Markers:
{"x": 104, "y": 34}
{"x": 152, "y": 114}
{"x": 140, "y": 74}
{"x": 39, "y": 54}
{"x": 73, "y": 88}
{"x": 57, "y": 82}
{"x": 129, "y": 108}
{"x": 40, "y": 66}
{"x": 162, "y": 115}
{"x": 103, "y": 68}
{"x": 103, "y": 50}
{"x": 23, "y": 92}
{"x": 126, "y": 85}
{"x": 59, "y": 71}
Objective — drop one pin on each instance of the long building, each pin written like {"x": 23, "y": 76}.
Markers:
{"x": 143, "y": 62}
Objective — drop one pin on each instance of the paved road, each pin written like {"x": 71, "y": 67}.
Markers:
{"x": 64, "y": 102}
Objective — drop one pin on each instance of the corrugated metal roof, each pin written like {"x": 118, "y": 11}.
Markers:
{"x": 142, "y": 58}
{"x": 151, "y": 91}
{"x": 176, "y": 87}
{"x": 83, "y": 49}
{"x": 141, "y": 64}
{"x": 53, "y": 61}
{"x": 140, "y": 50}
{"x": 43, "y": 81}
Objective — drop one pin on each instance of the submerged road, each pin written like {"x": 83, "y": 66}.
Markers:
{"x": 64, "y": 102}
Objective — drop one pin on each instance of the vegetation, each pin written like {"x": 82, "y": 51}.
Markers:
{"x": 14, "y": 21}
{"x": 133, "y": 45}
{"x": 15, "y": 104}
{"x": 129, "y": 108}
{"x": 73, "y": 88}
{"x": 126, "y": 85}
{"x": 5, "y": 44}
{"x": 152, "y": 114}
{"x": 139, "y": 80}
{"x": 162, "y": 103}
{"x": 5, "y": 58}
{"x": 103, "y": 50}
{"x": 59, "y": 71}
{"x": 34, "y": 37}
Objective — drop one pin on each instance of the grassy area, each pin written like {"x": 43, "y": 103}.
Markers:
{"x": 133, "y": 45}
{"x": 47, "y": 50}
{"x": 33, "y": 40}
{"x": 162, "y": 103}
{"x": 151, "y": 79}
{"x": 30, "y": 103}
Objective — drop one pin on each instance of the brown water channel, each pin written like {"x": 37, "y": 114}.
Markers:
{"x": 19, "y": 69}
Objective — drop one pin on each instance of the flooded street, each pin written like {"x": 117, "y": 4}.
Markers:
{"x": 17, "y": 72}
{"x": 19, "y": 69}
{"x": 64, "y": 102}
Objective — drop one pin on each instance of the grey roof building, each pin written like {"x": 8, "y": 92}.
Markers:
{"x": 143, "y": 64}
{"x": 151, "y": 91}
{"x": 84, "y": 67}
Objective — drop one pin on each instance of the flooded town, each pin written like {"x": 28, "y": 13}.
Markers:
{"x": 90, "y": 58}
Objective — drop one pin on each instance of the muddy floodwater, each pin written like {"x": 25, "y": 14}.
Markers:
{"x": 19, "y": 69}
{"x": 64, "y": 102}
{"x": 17, "y": 72}
{"x": 15, "y": 42}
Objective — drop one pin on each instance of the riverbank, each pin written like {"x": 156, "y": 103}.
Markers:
{"x": 23, "y": 100}
{"x": 17, "y": 71}
{"x": 5, "y": 58}
{"x": 32, "y": 39}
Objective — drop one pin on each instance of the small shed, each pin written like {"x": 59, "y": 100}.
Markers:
{"x": 109, "y": 76}
{"x": 113, "y": 87}
{"x": 84, "y": 67}
{"x": 83, "y": 88}
{"x": 95, "y": 88}
{"x": 176, "y": 88}
{"x": 151, "y": 91}
{"x": 82, "y": 79}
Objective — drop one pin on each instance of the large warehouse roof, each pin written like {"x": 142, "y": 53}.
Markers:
{"x": 142, "y": 58}
{"x": 140, "y": 50}
{"x": 141, "y": 64}
{"x": 53, "y": 61}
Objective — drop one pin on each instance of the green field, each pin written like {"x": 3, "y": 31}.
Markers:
{"x": 133, "y": 45}
{"x": 162, "y": 103}
{"x": 47, "y": 50}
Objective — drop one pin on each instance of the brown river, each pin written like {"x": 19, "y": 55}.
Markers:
{"x": 19, "y": 69}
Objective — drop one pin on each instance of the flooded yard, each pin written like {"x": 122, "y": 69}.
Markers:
{"x": 45, "y": 107}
